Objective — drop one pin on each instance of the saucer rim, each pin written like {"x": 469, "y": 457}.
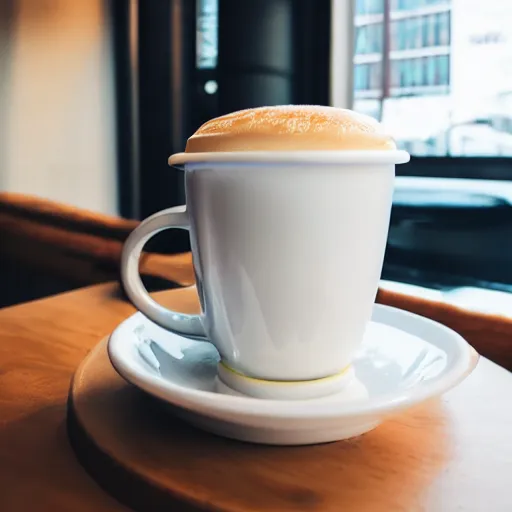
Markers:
{"x": 218, "y": 405}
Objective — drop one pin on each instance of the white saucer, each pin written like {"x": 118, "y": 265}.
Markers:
{"x": 404, "y": 360}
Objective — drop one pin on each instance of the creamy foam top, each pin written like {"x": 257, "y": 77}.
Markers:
{"x": 290, "y": 128}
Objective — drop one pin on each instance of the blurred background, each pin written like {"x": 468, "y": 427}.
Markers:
{"x": 96, "y": 94}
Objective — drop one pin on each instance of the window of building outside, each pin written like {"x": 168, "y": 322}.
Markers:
{"x": 369, "y": 7}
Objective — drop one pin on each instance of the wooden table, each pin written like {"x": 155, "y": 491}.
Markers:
{"x": 466, "y": 465}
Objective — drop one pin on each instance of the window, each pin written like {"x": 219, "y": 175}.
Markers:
{"x": 375, "y": 75}
{"x": 430, "y": 69}
{"x": 360, "y": 77}
{"x": 420, "y": 32}
{"x": 443, "y": 70}
{"x": 426, "y": 73}
{"x": 368, "y": 77}
{"x": 420, "y": 72}
{"x": 417, "y": 73}
{"x": 407, "y": 5}
{"x": 369, "y": 7}
{"x": 443, "y": 24}
{"x": 425, "y": 31}
{"x": 369, "y": 39}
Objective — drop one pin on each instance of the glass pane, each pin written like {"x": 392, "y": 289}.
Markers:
{"x": 437, "y": 29}
{"x": 403, "y": 73}
{"x": 402, "y": 34}
{"x": 395, "y": 74}
{"x": 369, "y": 39}
{"x": 418, "y": 73}
{"x": 445, "y": 28}
{"x": 444, "y": 69}
{"x": 393, "y": 35}
{"x": 360, "y": 40}
{"x": 431, "y": 70}
{"x": 416, "y": 24}
{"x": 375, "y": 76}
{"x": 369, "y": 6}
{"x": 424, "y": 30}
{"x": 379, "y": 37}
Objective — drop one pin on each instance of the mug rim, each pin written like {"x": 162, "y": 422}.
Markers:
{"x": 358, "y": 157}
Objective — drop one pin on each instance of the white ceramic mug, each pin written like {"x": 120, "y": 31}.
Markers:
{"x": 287, "y": 249}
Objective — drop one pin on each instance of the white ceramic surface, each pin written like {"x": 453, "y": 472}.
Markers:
{"x": 404, "y": 359}
{"x": 287, "y": 250}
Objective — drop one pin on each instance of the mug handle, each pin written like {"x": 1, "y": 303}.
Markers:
{"x": 179, "y": 323}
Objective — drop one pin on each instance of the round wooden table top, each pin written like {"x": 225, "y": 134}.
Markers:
{"x": 450, "y": 454}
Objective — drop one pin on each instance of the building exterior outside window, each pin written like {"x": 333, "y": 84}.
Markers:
{"x": 437, "y": 73}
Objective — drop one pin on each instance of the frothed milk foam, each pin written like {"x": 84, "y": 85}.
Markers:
{"x": 290, "y": 128}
